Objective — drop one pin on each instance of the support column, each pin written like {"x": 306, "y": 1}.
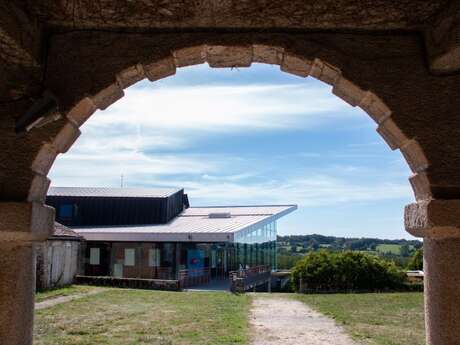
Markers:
{"x": 438, "y": 222}
{"x": 21, "y": 224}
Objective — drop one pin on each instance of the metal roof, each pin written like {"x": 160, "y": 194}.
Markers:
{"x": 111, "y": 192}
{"x": 194, "y": 225}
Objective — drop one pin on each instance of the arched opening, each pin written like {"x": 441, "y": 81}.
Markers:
{"x": 74, "y": 119}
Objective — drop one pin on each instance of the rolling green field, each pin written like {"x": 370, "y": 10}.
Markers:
{"x": 375, "y": 319}
{"x": 124, "y": 316}
{"x": 389, "y": 248}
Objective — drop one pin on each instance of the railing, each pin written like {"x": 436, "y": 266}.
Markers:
{"x": 192, "y": 277}
{"x": 243, "y": 280}
{"x": 162, "y": 273}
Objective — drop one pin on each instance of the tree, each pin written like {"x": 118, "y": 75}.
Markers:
{"x": 416, "y": 261}
{"x": 345, "y": 271}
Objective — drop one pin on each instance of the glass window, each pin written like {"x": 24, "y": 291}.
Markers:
{"x": 94, "y": 256}
{"x": 154, "y": 257}
{"x": 130, "y": 256}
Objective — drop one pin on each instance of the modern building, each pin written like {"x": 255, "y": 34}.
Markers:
{"x": 154, "y": 234}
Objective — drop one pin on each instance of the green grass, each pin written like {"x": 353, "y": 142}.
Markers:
{"x": 377, "y": 319}
{"x": 65, "y": 291}
{"x": 122, "y": 316}
{"x": 389, "y": 248}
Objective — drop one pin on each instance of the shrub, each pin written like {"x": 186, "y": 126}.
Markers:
{"x": 346, "y": 271}
{"x": 416, "y": 261}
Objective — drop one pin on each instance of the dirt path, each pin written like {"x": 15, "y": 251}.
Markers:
{"x": 279, "y": 321}
{"x": 63, "y": 299}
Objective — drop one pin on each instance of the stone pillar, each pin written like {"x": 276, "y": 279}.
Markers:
{"x": 438, "y": 222}
{"x": 21, "y": 224}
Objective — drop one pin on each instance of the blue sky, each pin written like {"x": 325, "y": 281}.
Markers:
{"x": 248, "y": 136}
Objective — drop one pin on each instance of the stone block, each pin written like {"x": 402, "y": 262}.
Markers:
{"x": 106, "y": 97}
{"x": 414, "y": 156}
{"x": 421, "y": 186}
{"x": 374, "y": 107}
{"x": 82, "y": 111}
{"x": 219, "y": 56}
{"x": 348, "y": 91}
{"x": 267, "y": 54}
{"x": 325, "y": 72}
{"x": 26, "y": 221}
{"x": 190, "y": 56}
{"x": 160, "y": 69}
{"x": 433, "y": 218}
{"x": 44, "y": 159}
{"x": 295, "y": 65}
{"x": 130, "y": 76}
{"x": 38, "y": 188}
{"x": 391, "y": 133}
{"x": 66, "y": 137}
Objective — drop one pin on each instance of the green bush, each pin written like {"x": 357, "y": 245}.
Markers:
{"x": 346, "y": 271}
{"x": 416, "y": 261}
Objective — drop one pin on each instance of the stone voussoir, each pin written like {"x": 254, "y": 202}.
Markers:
{"x": 391, "y": 133}
{"x": 44, "y": 159}
{"x": 130, "y": 76}
{"x": 421, "y": 186}
{"x": 160, "y": 69}
{"x": 190, "y": 56}
{"x": 414, "y": 155}
{"x": 375, "y": 107}
{"x": 82, "y": 111}
{"x": 267, "y": 54}
{"x": 106, "y": 97}
{"x": 296, "y": 65}
{"x": 223, "y": 56}
{"x": 325, "y": 72}
{"x": 38, "y": 188}
{"x": 433, "y": 218}
{"x": 348, "y": 91}
{"x": 66, "y": 137}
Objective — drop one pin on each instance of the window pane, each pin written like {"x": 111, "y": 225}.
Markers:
{"x": 94, "y": 256}
{"x": 154, "y": 257}
{"x": 66, "y": 211}
{"x": 129, "y": 256}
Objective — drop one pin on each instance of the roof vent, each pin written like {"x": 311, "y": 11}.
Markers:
{"x": 220, "y": 215}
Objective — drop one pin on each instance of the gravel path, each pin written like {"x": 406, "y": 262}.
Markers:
{"x": 63, "y": 299}
{"x": 280, "y": 321}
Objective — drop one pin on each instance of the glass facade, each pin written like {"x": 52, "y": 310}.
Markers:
{"x": 255, "y": 246}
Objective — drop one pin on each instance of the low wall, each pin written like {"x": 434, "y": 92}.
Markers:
{"x": 131, "y": 283}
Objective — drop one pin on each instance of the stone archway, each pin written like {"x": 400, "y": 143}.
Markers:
{"x": 384, "y": 103}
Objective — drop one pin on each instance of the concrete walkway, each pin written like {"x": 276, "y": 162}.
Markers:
{"x": 63, "y": 299}
{"x": 279, "y": 321}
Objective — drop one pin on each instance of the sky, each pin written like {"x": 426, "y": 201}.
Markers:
{"x": 248, "y": 136}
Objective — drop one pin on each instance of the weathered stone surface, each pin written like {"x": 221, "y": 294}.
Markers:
{"x": 228, "y": 56}
{"x": 160, "y": 69}
{"x": 267, "y": 54}
{"x": 190, "y": 56}
{"x": 25, "y": 221}
{"x": 348, "y": 91}
{"x": 130, "y": 76}
{"x": 325, "y": 72}
{"x": 391, "y": 133}
{"x": 66, "y": 137}
{"x": 107, "y": 96}
{"x": 295, "y": 65}
{"x": 82, "y": 111}
{"x": 433, "y": 218}
{"x": 38, "y": 189}
{"x": 414, "y": 156}
{"x": 374, "y": 107}
{"x": 44, "y": 159}
{"x": 421, "y": 186}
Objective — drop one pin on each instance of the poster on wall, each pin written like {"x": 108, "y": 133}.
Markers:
{"x": 195, "y": 261}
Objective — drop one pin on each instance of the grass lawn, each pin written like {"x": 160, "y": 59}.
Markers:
{"x": 377, "y": 319}
{"x": 124, "y": 316}
{"x": 66, "y": 291}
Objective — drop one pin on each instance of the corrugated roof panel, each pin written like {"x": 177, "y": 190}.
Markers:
{"x": 238, "y": 210}
{"x": 111, "y": 192}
